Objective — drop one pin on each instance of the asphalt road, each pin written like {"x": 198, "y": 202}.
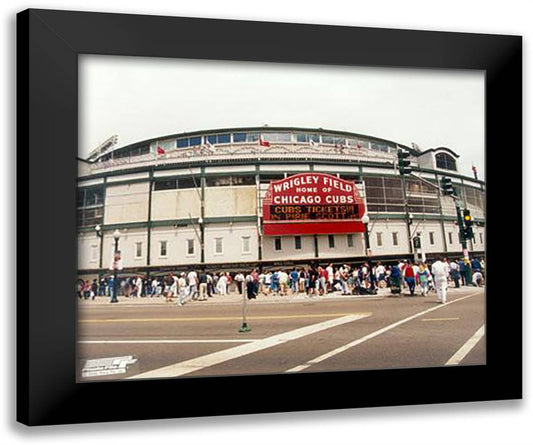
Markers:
{"x": 333, "y": 333}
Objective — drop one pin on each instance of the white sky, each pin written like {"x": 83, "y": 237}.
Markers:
{"x": 142, "y": 98}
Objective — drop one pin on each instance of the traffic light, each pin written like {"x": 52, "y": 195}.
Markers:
{"x": 467, "y": 224}
{"x": 447, "y": 186}
{"x": 403, "y": 163}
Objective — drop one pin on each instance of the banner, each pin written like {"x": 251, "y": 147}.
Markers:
{"x": 312, "y": 203}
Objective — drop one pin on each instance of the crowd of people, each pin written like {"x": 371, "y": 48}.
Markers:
{"x": 312, "y": 280}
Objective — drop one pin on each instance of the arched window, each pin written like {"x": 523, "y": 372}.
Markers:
{"x": 445, "y": 161}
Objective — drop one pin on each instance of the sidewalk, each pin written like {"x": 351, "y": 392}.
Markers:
{"x": 234, "y": 298}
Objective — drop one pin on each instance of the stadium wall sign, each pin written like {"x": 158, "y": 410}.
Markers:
{"x": 312, "y": 203}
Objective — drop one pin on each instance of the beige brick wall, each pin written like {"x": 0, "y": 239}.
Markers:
{"x": 126, "y": 203}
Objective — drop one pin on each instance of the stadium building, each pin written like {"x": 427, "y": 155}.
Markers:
{"x": 231, "y": 199}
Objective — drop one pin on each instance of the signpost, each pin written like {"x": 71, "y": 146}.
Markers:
{"x": 313, "y": 203}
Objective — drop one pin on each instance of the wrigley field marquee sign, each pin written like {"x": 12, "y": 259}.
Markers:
{"x": 312, "y": 203}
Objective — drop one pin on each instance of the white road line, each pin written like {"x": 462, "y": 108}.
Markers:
{"x": 467, "y": 347}
{"x": 119, "y": 342}
{"x": 195, "y": 364}
{"x": 372, "y": 335}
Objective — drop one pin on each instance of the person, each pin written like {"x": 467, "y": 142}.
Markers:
{"x": 251, "y": 290}
{"x": 295, "y": 276}
{"x": 169, "y": 290}
{"x": 192, "y": 280}
{"x": 268, "y": 282}
{"x": 380, "y": 275}
{"x": 439, "y": 269}
{"x": 222, "y": 285}
{"x": 422, "y": 278}
{"x": 182, "y": 289}
{"x": 126, "y": 285}
{"x": 409, "y": 276}
{"x": 138, "y": 287}
{"x": 395, "y": 279}
{"x": 94, "y": 289}
{"x": 79, "y": 288}
{"x": 454, "y": 273}
{"x": 313, "y": 276}
{"x": 102, "y": 288}
{"x": 283, "y": 282}
{"x": 239, "y": 279}
{"x": 203, "y": 286}
{"x": 476, "y": 266}
{"x": 274, "y": 282}
{"x": 86, "y": 290}
{"x": 302, "y": 280}
{"x": 344, "y": 274}
{"x": 462, "y": 271}
{"x": 477, "y": 278}
{"x": 331, "y": 276}
{"x": 155, "y": 284}
{"x": 322, "y": 280}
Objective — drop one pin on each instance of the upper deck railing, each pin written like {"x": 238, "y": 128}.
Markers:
{"x": 231, "y": 153}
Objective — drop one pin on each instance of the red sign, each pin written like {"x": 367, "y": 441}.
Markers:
{"x": 312, "y": 203}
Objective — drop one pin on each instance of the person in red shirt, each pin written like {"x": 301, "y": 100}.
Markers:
{"x": 409, "y": 276}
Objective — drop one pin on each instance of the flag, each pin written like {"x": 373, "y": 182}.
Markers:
{"x": 263, "y": 143}
{"x": 359, "y": 145}
{"x": 160, "y": 150}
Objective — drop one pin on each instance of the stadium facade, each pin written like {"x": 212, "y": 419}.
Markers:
{"x": 203, "y": 199}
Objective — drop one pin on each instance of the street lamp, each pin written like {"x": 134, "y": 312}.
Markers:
{"x": 365, "y": 220}
{"x": 99, "y": 234}
{"x": 116, "y": 259}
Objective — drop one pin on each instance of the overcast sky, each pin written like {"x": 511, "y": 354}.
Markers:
{"x": 142, "y": 98}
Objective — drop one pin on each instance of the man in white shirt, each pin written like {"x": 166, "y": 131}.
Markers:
{"x": 192, "y": 278}
{"x": 440, "y": 269}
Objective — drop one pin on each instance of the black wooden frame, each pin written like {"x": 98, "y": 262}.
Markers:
{"x": 49, "y": 43}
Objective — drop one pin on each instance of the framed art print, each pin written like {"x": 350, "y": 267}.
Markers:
{"x": 261, "y": 214}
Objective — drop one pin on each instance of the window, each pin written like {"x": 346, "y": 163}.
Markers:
{"x": 474, "y": 238}
{"x": 223, "y": 138}
{"x": 246, "y": 244}
{"x": 303, "y": 138}
{"x": 189, "y": 183}
{"x": 350, "y": 240}
{"x": 94, "y": 253}
{"x": 450, "y": 237}
{"x": 190, "y": 247}
{"x": 445, "y": 161}
{"x": 220, "y": 181}
{"x": 432, "y": 238}
{"x": 90, "y": 206}
{"x": 182, "y": 142}
{"x": 138, "y": 250}
{"x": 218, "y": 246}
{"x": 328, "y": 139}
{"x": 379, "y": 239}
{"x": 239, "y": 137}
{"x": 394, "y": 238}
{"x": 277, "y": 243}
{"x": 162, "y": 248}
{"x": 277, "y": 137}
{"x": 298, "y": 242}
{"x": 195, "y": 141}
{"x": 481, "y": 238}
{"x": 168, "y": 184}
{"x": 331, "y": 241}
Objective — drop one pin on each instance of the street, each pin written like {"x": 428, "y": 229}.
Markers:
{"x": 148, "y": 338}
